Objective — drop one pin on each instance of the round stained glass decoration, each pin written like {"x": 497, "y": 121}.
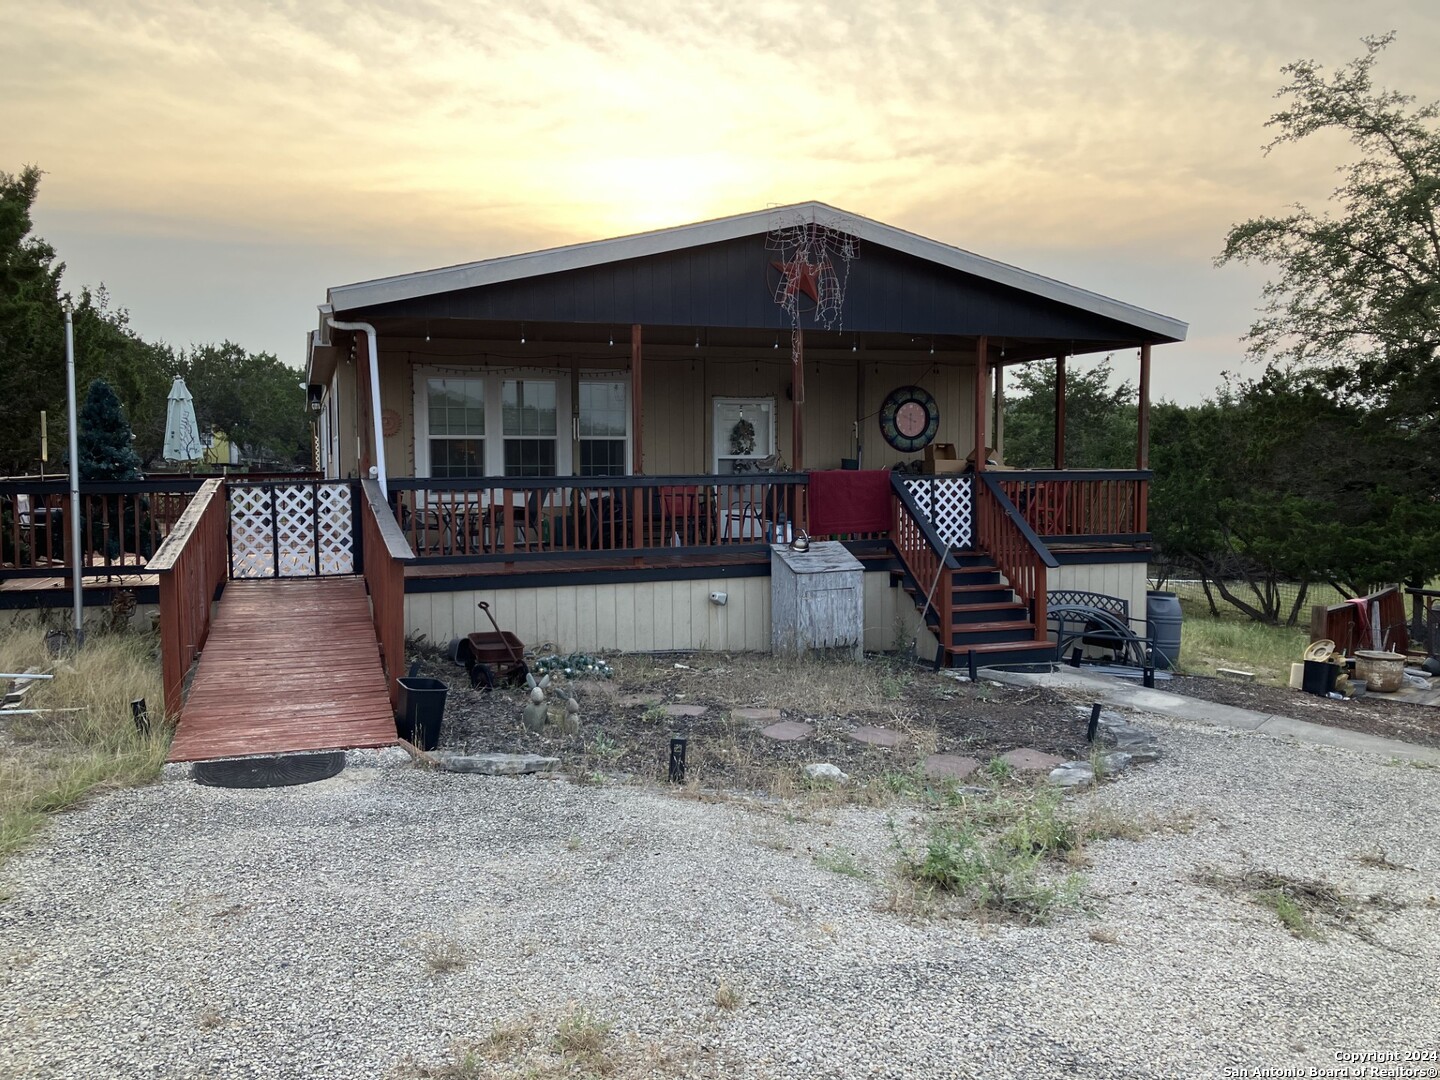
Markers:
{"x": 909, "y": 419}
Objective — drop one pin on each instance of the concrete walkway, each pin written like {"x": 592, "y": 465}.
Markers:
{"x": 1122, "y": 692}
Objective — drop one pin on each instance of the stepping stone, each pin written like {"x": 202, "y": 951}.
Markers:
{"x": 877, "y": 736}
{"x": 1073, "y": 774}
{"x": 497, "y": 764}
{"x": 948, "y": 766}
{"x": 684, "y": 710}
{"x": 769, "y": 716}
{"x": 787, "y": 731}
{"x": 1031, "y": 760}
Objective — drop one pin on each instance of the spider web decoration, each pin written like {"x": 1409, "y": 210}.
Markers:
{"x": 809, "y": 252}
{"x": 808, "y": 255}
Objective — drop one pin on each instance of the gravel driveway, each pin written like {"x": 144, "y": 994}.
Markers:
{"x": 181, "y": 931}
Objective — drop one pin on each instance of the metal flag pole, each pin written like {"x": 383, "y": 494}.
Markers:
{"x": 76, "y": 594}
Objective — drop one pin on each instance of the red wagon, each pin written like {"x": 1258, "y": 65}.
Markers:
{"x": 493, "y": 656}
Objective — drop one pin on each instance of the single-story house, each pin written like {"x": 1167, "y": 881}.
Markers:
{"x": 596, "y": 438}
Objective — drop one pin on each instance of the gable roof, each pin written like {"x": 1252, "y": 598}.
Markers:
{"x": 427, "y": 283}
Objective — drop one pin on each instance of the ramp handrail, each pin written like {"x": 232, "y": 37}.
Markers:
{"x": 191, "y": 564}
{"x": 384, "y": 553}
{"x": 1004, "y": 535}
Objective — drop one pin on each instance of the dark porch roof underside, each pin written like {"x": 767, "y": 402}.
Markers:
{"x": 731, "y": 284}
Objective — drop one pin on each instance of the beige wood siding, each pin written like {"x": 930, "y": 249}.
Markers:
{"x": 1128, "y": 581}
{"x": 646, "y": 616}
{"x": 843, "y": 391}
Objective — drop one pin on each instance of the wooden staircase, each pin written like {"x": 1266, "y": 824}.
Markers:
{"x": 987, "y": 622}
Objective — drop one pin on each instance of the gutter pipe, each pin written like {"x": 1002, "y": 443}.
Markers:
{"x": 375, "y": 420}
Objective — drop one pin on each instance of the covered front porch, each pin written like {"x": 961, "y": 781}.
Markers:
{"x": 676, "y": 402}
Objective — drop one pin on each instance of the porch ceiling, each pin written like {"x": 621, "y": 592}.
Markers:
{"x": 508, "y": 333}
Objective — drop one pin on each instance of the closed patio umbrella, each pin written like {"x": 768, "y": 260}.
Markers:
{"x": 182, "y": 433}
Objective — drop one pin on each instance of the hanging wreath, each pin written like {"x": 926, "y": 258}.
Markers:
{"x": 742, "y": 437}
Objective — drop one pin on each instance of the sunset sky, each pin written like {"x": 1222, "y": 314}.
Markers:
{"x": 218, "y": 165}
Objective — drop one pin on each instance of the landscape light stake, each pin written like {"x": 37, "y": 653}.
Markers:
{"x": 1075, "y": 655}
{"x": 141, "y": 717}
{"x": 1094, "y": 724}
{"x": 677, "y": 759}
{"x": 1149, "y": 678}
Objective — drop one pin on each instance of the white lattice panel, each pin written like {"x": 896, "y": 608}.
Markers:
{"x": 946, "y": 502}
{"x": 284, "y": 529}
{"x": 295, "y": 530}
{"x": 252, "y": 539}
{"x": 335, "y": 521}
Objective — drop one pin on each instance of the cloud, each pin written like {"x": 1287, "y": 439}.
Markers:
{"x": 449, "y": 130}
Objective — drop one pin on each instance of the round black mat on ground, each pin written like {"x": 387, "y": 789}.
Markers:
{"x": 266, "y": 772}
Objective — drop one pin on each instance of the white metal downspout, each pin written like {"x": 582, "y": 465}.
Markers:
{"x": 369, "y": 332}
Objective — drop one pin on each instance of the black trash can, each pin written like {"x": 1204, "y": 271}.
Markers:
{"x": 1319, "y": 677}
{"x": 419, "y": 711}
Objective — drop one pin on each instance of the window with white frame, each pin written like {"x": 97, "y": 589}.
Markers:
{"x": 603, "y": 427}
{"x": 455, "y": 411}
{"x": 529, "y": 420}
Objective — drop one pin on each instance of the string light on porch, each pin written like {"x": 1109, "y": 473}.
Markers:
{"x": 522, "y": 333}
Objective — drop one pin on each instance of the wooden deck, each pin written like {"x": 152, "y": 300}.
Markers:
{"x": 290, "y": 665}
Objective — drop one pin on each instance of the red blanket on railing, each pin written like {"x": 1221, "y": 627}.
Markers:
{"x": 849, "y": 501}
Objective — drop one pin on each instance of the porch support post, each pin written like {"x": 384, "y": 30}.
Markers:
{"x": 1060, "y": 411}
{"x": 1142, "y": 449}
{"x": 797, "y": 402}
{"x": 637, "y": 400}
{"x": 982, "y": 377}
{"x": 999, "y": 412}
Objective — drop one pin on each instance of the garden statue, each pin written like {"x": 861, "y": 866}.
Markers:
{"x": 567, "y": 722}
{"x": 535, "y": 713}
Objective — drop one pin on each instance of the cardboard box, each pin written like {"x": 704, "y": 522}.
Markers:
{"x": 940, "y": 457}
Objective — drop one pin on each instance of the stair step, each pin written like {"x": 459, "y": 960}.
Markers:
{"x": 1000, "y": 653}
{"x": 989, "y": 611}
{"x": 994, "y": 634}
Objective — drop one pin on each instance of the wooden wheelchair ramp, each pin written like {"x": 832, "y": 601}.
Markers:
{"x": 290, "y": 665}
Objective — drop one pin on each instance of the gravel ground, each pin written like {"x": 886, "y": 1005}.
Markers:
{"x": 181, "y": 931}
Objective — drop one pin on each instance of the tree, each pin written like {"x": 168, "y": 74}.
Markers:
{"x": 1278, "y": 481}
{"x": 1357, "y": 296}
{"x": 253, "y": 398}
{"x": 105, "y": 437}
{"x": 32, "y": 344}
{"x": 113, "y": 522}
{"x": 1100, "y": 423}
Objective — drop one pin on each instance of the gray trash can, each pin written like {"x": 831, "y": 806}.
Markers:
{"x": 1163, "y": 617}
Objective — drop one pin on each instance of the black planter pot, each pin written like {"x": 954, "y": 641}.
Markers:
{"x": 420, "y": 710}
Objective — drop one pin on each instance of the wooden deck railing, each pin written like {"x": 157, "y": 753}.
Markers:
{"x": 122, "y": 524}
{"x": 1349, "y": 625}
{"x": 384, "y": 554}
{"x": 925, "y": 555}
{"x": 1072, "y": 503}
{"x": 512, "y": 518}
{"x": 1004, "y": 534}
{"x": 191, "y": 564}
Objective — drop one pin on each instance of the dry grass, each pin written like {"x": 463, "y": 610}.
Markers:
{"x": 441, "y": 956}
{"x": 1304, "y": 906}
{"x": 1379, "y": 860}
{"x": 50, "y": 761}
{"x": 1232, "y": 641}
{"x": 813, "y": 685}
{"x": 726, "y": 996}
